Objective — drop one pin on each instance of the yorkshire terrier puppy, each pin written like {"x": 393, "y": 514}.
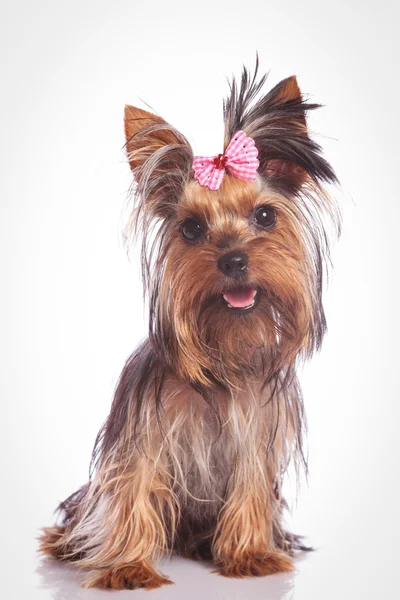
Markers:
{"x": 208, "y": 411}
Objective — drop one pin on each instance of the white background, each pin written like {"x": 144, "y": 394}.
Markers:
{"x": 71, "y": 302}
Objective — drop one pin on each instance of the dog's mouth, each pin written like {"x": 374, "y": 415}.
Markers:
{"x": 241, "y": 300}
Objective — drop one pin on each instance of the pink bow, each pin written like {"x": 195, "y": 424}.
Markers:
{"x": 239, "y": 159}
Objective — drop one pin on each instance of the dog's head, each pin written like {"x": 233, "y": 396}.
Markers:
{"x": 235, "y": 273}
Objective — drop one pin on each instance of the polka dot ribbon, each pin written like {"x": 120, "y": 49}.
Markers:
{"x": 239, "y": 159}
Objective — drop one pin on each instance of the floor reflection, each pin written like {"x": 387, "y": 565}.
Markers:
{"x": 61, "y": 580}
{"x": 192, "y": 580}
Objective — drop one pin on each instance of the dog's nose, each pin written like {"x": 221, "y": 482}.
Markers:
{"x": 234, "y": 264}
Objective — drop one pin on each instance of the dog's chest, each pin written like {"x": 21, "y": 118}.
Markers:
{"x": 206, "y": 449}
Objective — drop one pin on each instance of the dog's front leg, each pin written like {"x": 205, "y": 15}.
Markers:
{"x": 244, "y": 543}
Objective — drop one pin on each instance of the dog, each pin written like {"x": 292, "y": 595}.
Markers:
{"x": 208, "y": 411}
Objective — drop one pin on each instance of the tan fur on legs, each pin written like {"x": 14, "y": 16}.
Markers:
{"x": 244, "y": 544}
{"x": 244, "y": 541}
{"x": 120, "y": 524}
{"x": 253, "y": 565}
{"x": 129, "y": 577}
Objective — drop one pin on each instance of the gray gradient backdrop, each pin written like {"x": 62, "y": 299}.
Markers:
{"x": 71, "y": 303}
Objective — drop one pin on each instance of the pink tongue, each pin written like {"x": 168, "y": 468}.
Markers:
{"x": 239, "y": 299}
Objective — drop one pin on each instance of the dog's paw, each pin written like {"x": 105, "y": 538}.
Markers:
{"x": 129, "y": 577}
{"x": 257, "y": 566}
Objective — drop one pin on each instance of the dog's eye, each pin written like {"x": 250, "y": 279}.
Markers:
{"x": 192, "y": 230}
{"x": 265, "y": 217}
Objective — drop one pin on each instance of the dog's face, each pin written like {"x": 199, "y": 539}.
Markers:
{"x": 236, "y": 276}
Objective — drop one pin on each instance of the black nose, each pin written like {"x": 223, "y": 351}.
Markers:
{"x": 234, "y": 264}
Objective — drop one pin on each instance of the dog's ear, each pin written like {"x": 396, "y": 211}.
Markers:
{"x": 278, "y": 170}
{"x": 136, "y": 119}
{"x": 145, "y": 133}
{"x": 276, "y": 121}
{"x": 287, "y": 90}
{"x": 160, "y": 158}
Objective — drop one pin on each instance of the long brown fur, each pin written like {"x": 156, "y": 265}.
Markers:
{"x": 208, "y": 412}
